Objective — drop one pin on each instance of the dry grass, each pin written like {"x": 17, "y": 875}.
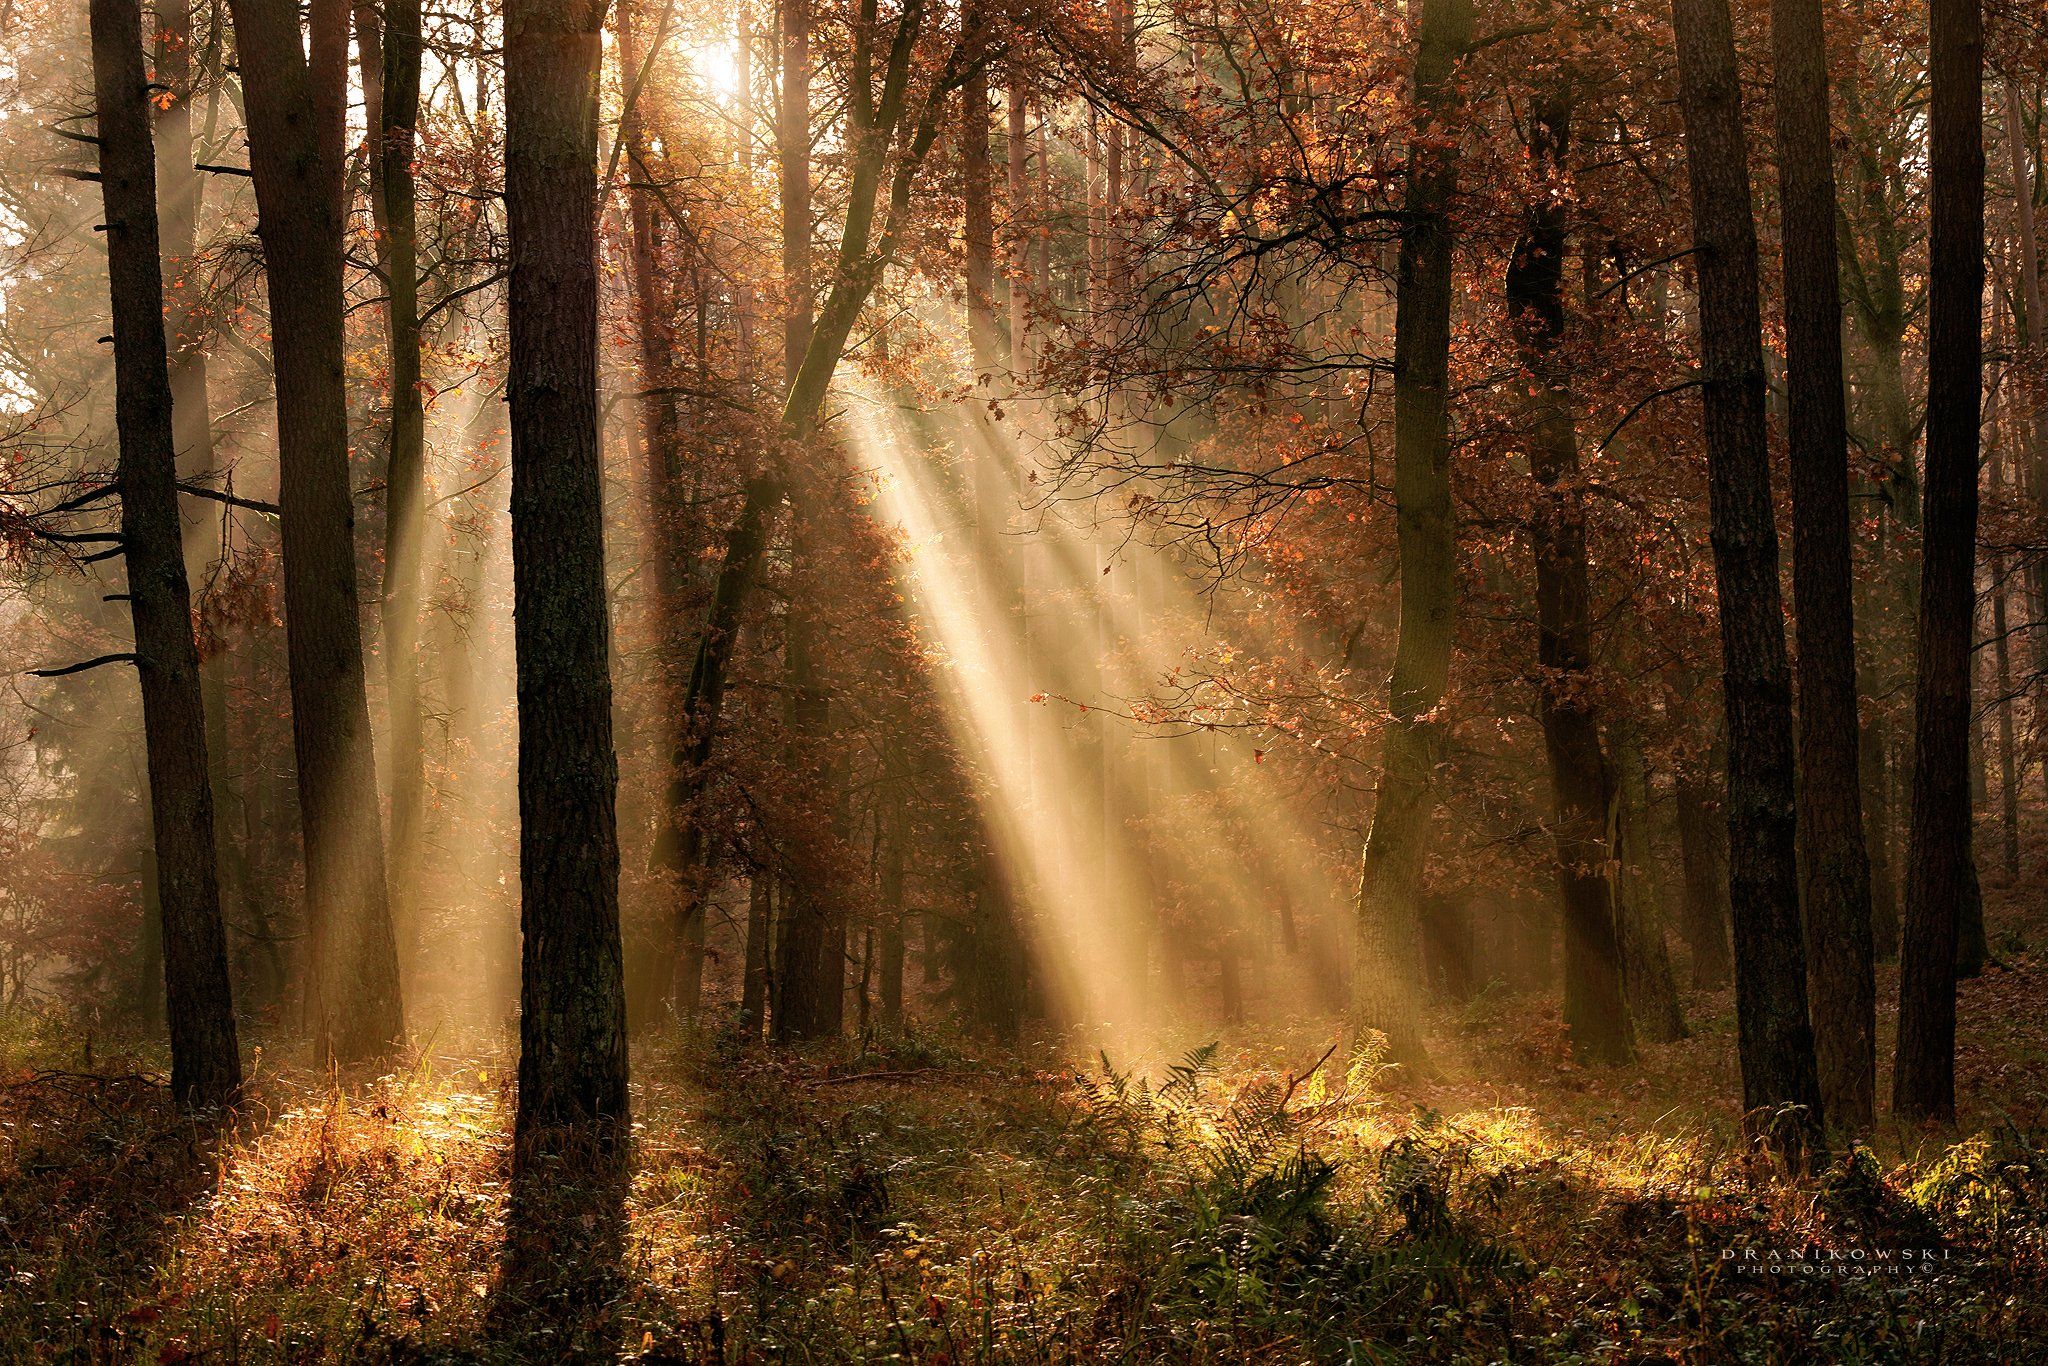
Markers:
{"x": 965, "y": 1208}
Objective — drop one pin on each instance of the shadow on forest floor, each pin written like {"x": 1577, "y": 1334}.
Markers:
{"x": 932, "y": 1199}
{"x": 97, "y": 1172}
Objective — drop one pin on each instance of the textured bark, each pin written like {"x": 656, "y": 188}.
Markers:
{"x": 1835, "y": 867}
{"x": 1776, "y": 1042}
{"x": 1939, "y": 865}
{"x": 1595, "y": 1010}
{"x": 294, "y": 110}
{"x": 1388, "y": 976}
{"x": 206, "y": 1068}
{"x": 572, "y": 1026}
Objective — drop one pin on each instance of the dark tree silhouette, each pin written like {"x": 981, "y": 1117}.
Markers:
{"x": 206, "y": 1067}
{"x": 1940, "y": 871}
{"x": 1776, "y": 1042}
{"x": 295, "y": 104}
{"x": 1836, "y": 869}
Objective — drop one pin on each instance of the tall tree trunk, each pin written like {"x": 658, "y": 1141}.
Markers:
{"x": 1835, "y": 866}
{"x": 294, "y": 112}
{"x": 1940, "y": 869}
{"x": 396, "y": 111}
{"x": 661, "y": 424}
{"x": 572, "y": 1023}
{"x": 1776, "y": 1042}
{"x": 1017, "y": 184}
{"x": 1388, "y": 979}
{"x": 180, "y": 192}
{"x": 206, "y": 1068}
{"x": 1595, "y": 1009}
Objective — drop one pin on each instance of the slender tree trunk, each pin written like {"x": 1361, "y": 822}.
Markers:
{"x": 1017, "y": 184}
{"x": 206, "y": 1067}
{"x": 1835, "y": 867}
{"x": 1388, "y": 979}
{"x": 894, "y": 850}
{"x": 405, "y": 470}
{"x": 572, "y": 1025}
{"x": 294, "y": 113}
{"x": 1776, "y": 1042}
{"x": 180, "y": 192}
{"x": 677, "y": 845}
{"x": 1595, "y": 1009}
{"x": 2008, "y": 760}
{"x": 1940, "y": 870}
{"x": 1703, "y": 849}
{"x": 754, "y": 979}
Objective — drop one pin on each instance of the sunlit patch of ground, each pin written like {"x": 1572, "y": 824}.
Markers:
{"x": 932, "y": 1200}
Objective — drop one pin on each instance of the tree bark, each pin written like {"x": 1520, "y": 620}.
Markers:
{"x": 1939, "y": 865}
{"x": 1776, "y": 1042}
{"x": 1388, "y": 979}
{"x": 572, "y": 1028}
{"x": 1836, "y": 869}
{"x": 206, "y": 1068}
{"x": 1595, "y": 1009}
{"x": 294, "y": 113}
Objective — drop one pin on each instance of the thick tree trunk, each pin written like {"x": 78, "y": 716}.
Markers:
{"x": 1388, "y": 978}
{"x": 1939, "y": 866}
{"x": 1776, "y": 1042}
{"x": 572, "y": 1026}
{"x": 1595, "y": 1009}
{"x": 1835, "y": 867}
{"x": 206, "y": 1067}
{"x": 294, "y": 111}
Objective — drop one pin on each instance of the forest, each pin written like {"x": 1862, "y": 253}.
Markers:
{"x": 1023, "y": 681}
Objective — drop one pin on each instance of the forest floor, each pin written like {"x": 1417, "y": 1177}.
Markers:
{"x": 920, "y": 1200}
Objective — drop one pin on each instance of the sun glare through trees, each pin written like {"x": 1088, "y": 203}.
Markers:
{"x": 1023, "y": 680}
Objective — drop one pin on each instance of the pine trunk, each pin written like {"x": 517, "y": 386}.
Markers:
{"x": 1595, "y": 1008}
{"x": 1939, "y": 866}
{"x": 572, "y": 1028}
{"x": 1388, "y": 979}
{"x": 294, "y": 111}
{"x": 206, "y": 1068}
{"x": 1775, "y": 1040}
